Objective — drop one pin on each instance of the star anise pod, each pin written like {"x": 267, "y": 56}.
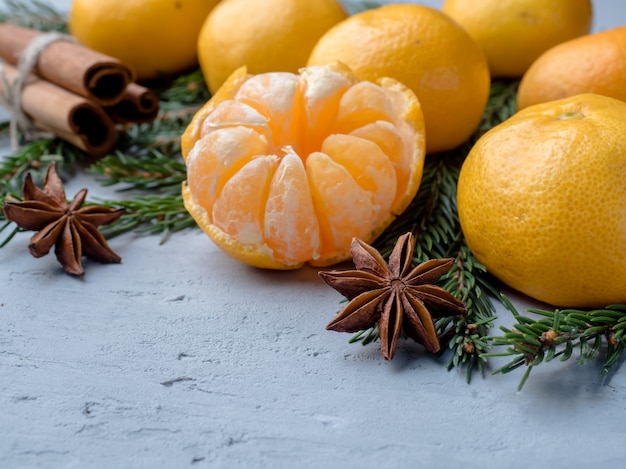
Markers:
{"x": 399, "y": 296}
{"x": 72, "y": 230}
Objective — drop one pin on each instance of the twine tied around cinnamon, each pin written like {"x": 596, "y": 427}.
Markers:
{"x": 52, "y": 83}
{"x": 13, "y": 101}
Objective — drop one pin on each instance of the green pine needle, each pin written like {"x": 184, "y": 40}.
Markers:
{"x": 34, "y": 14}
{"x": 146, "y": 172}
{"x": 433, "y": 219}
{"x": 558, "y": 334}
{"x": 161, "y": 214}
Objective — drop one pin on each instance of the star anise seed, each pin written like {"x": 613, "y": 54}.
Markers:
{"x": 70, "y": 228}
{"x": 399, "y": 296}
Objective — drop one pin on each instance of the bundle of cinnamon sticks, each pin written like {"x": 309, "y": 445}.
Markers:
{"x": 76, "y": 93}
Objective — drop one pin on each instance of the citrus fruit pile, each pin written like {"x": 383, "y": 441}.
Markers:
{"x": 291, "y": 159}
{"x": 287, "y": 168}
{"x": 541, "y": 196}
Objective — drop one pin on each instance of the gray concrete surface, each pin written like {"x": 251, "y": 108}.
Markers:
{"x": 181, "y": 357}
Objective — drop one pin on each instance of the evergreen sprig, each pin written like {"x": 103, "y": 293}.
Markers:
{"x": 149, "y": 171}
{"x": 152, "y": 214}
{"x": 467, "y": 335}
{"x": 433, "y": 219}
{"x": 188, "y": 90}
{"x": 558, "y": 334}
{"x": 34, "y": 14}
{"x": 501, "y": 105}
{"x": 34, "y": 157}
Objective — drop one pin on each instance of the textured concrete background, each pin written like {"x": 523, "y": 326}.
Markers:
{"x": 181, "y": 357}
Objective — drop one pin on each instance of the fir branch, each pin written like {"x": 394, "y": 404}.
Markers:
{"x": 5, "y": 225}
{"x": 34, "y": 158}
{"x": 150, "y": 214}
{"x": 466, "y": 336}
{"x": 501, "y": 105}
{"x": 431, "y": 215}
{"x": 162, "y": 134}
{"x": 433, "y": 219}
{"x": 30, "y": 158}
{"x": 34, "y": 14}
{"x": 558, "y": 333}
{"x": 187, "y": 90}
{"x": 150, "y": 171}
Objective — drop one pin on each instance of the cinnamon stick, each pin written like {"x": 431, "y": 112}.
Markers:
{"x": 69, "y": 116}
{"x": 70, "y": 65}
{"x": 138, "y": 105}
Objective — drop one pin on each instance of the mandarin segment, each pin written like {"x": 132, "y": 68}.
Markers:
{"x": 227, "y": 91}
{"x": 322, "y": 89}
{"x": 255, "y": 255}
{"x": 389, "y": 141}
{"x": 367, "y": 164}
{"x": 344, "y": 209}
{"x": 275, "y": 95}
{"x": 268, "y": 173}
{"x": 362, "y": 104}
{"x": 291, "y": 228}
{"x": 239, "y": 208}
{"x": 217, "y": 157}
{"x": 235, "y": 113}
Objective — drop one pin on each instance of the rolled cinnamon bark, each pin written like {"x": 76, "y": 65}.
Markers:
{"x": 70, "y": 65}
{"x": 69, "y": 116}
{"x": 138, "y": 105}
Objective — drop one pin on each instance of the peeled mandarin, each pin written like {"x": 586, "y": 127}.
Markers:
{"x": 285, "y": 169}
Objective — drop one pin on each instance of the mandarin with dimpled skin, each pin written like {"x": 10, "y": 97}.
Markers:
{"x": 156, "y": 38}
{"x": 425, "y": 50}
{"x": 595, "y": 63}
{"x": 542, "y": 201}
{"x": 513, "y": 33}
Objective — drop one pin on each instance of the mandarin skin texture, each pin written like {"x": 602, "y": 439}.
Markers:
{"x": 541, "y": 201}
{"x": 514, "y": 33}
{"x": 156, "y": 38}
{"x": 595, "y": 63}
{"x": 425, "y": 50}
{"x": 267, "y": 36}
